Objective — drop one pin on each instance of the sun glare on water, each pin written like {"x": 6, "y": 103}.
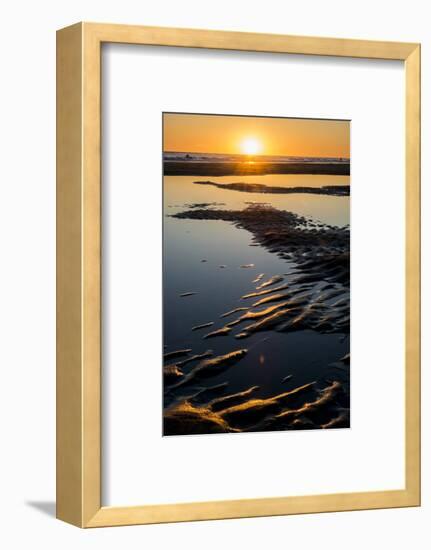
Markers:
{"x": 251, "y": 146}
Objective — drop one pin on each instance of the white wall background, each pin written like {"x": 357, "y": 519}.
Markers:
{"x": 27, "y": 240}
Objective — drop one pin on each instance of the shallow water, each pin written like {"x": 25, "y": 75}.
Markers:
{"x": 272, "y": 356}
{"x": 179, "y": 190}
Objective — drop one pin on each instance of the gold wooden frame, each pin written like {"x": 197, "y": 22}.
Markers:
{"x": 78, "y": 275}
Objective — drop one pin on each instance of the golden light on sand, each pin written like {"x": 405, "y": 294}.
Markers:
{"x": 251, "y": 146}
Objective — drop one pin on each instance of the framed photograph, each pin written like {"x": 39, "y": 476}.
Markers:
{"x": 238, "y": 275}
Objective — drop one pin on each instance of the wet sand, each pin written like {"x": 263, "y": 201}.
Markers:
{"x": 335, "y": 190}
{"x": 196, "y": 168}
{"x": 314, "y": 297}
{"x": 288, "y": 235}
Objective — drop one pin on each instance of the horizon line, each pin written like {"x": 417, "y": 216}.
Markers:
{"x": 258, "y": 155}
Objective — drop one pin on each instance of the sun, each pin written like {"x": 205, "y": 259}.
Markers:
{"x": 251, "y": 146}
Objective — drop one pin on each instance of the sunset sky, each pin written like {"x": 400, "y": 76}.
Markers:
{"x": 256, "y": 135}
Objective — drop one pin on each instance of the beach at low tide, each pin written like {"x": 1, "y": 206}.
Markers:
{"x": 256, "y": 303}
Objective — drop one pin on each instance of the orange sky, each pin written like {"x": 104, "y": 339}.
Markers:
{"x": 276, "y": 136}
